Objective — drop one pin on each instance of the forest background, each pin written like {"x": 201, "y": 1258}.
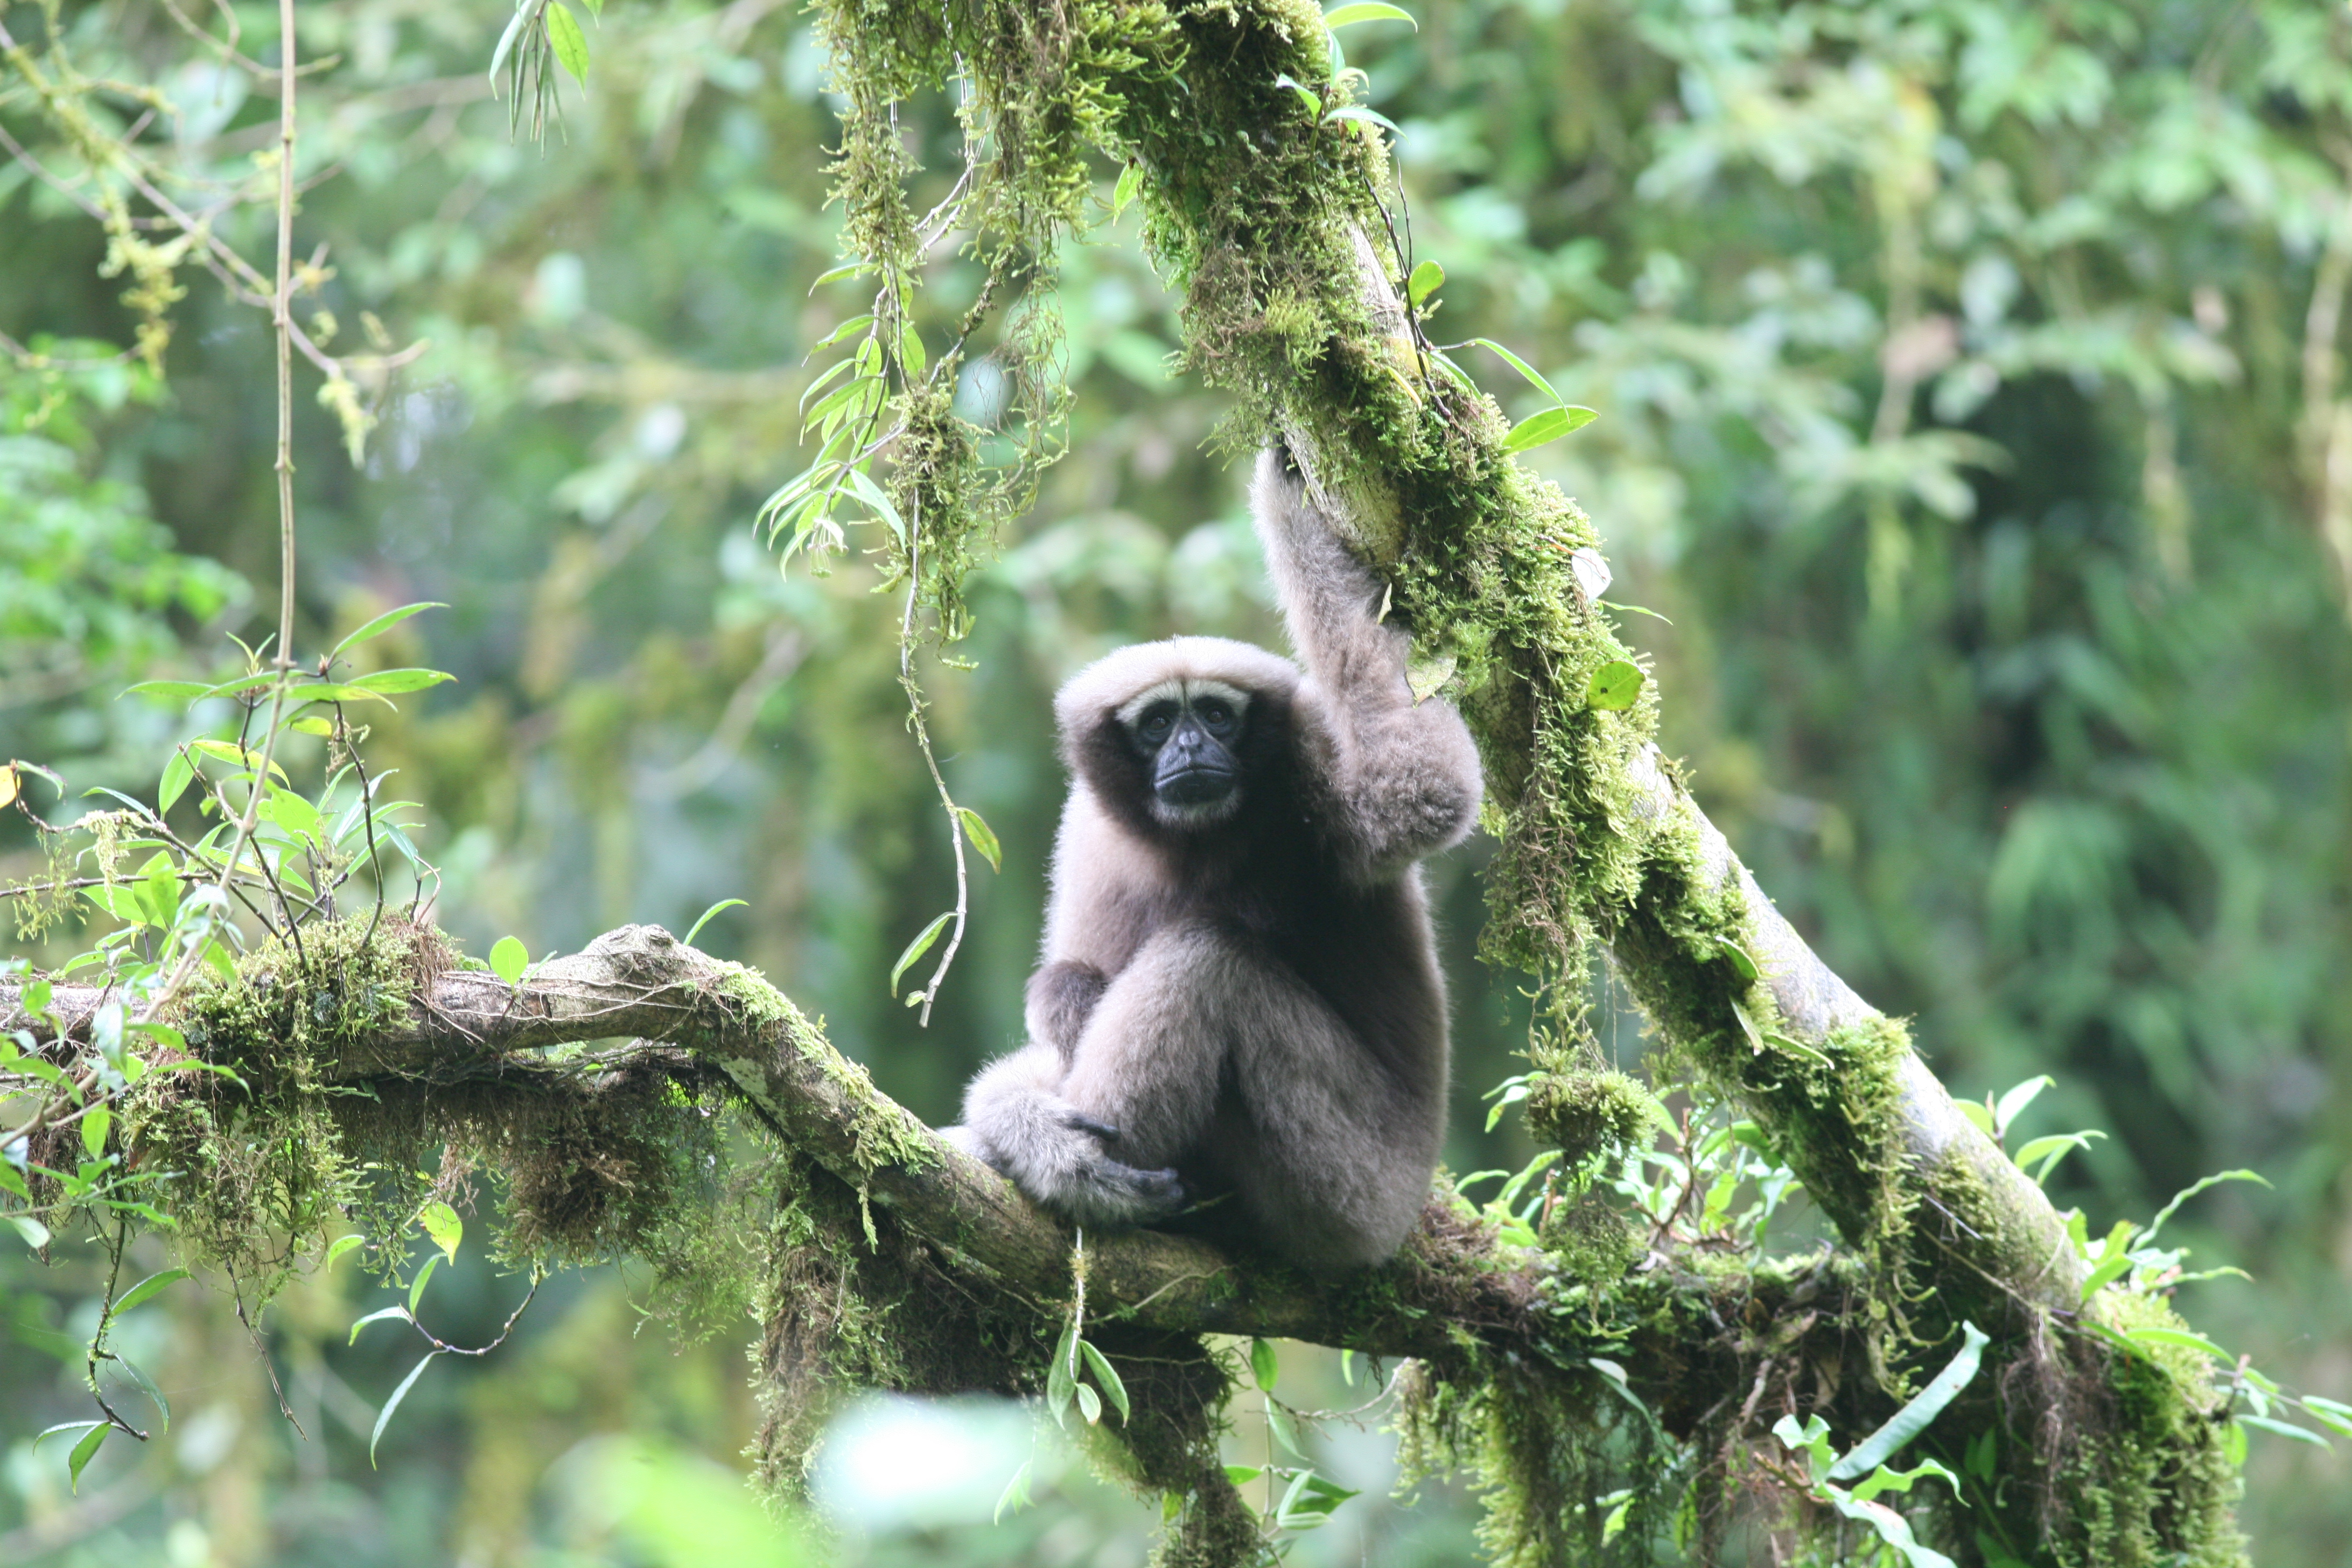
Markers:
{"x": 1972, "y": 409}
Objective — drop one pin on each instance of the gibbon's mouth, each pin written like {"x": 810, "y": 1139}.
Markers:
{"x": 1189, "y": 789}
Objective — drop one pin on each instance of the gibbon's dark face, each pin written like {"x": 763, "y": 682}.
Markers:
{"x": 1188, "y": 733}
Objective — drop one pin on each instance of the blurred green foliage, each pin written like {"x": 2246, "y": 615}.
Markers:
{"x": 1971, "y": 407}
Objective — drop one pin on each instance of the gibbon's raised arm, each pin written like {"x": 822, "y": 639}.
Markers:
{"x": 1395, "y": 779}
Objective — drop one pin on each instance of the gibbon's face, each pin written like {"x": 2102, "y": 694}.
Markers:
{"x": 1188, "y": 733}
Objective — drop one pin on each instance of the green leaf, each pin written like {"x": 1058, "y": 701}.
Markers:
{"x": 2328, "y": 1414}
{"x": 2181, "y": 1337}
{"x": 696, "y": 930}
{"x": 149, "y": 1287}
{"x": 35, "y": 1234}
{"x": 1548, "y": 425}
{"x": 1427, "y": 279}
{"x": 243, "y": 758}
{"x": 2051, "y": 1150}
{"x": 1015, "y": 1494}
{"x": 2010, "y": 1106}
{"x": 1264, "y": 1364}
{"x": 85, "y": 1452}
{"x": 984, "y": 837}
{"x": 177, "y": 775}
{"x": 168, "y": 690}
{"x": 1355, "y": 114}
{"x": 406, "y": 680}
{"x": 2106, "y": 1274}
{"x": 1347, "y": 16}
{"x": 333, "y": 691}
{"x": 146, "y": 1386}
{"x": 848, "y": 329}
{"x": 1425, "y": 676}
{"x": 1089, "y": 1403}
{"x": 911, "y": 356}
{"x": 570, "y": 44}
{"x": 509, "y": 959}
{"x": 1740, "y": 960}
{"x": 378, "y": 1316}
{"x": 1061, "y": 1377}
{"x": 1114, "y": 1388}
{"x": 1307, "y": 95}
{"x": 442, "y": 1224}
{"x": 383, "y": 623}
{"x": 1285, "y": 1430}
{"x": 846, "y": 269}
{"x": 1309, "y": 1501}
{"x": 1913, "y": 1419}
{"x": 872, "y": 495}
{"x": 916, "y": 948}
{"x": 1614, "y": 686}
{"x": 507, "y": 41}
{"x": 339, "y": 1246}
{"x": 416, "y": 1286}
{"x": 383, "y": 1417}
{"x": 95, "y": 1124}
{"x": 2188, "y": 1193}
{"x": 1130, "y": 182}
{"x": 2286, "y": 1429}
{"x": 1525, "y": 369}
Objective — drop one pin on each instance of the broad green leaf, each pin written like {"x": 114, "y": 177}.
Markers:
{"x": 912, "y": 359}
{"x": 1913, "y": 1419}
{"x": 1525, "y": 369}
{"x": 383, "y": 1417}
{"x": 416, "y": 1286}
{"x": 229, "y": 752}
{"x": 442, "y": 1224}
{"x": 696, "y": 930}
{"x": 2010, "y": 1106}
{"x": 1265, "y": 1365}
{"x": 1740, "y": 961}
{"x": 1285, "y": 1430}
{"x": 177, "y": 775}
{"x": 1130, "y": 182}
{"x": 147, "y": 1387}
{"x": 383, "y": 623}
{"x": 1355, "y": 114}
{"x": 916, "y": 948}
{"x": 333, "y": 691}
{"x": 1548, "y": 425}
{"x": 1347, "y": 16}
{"x": 2181, "y": 1337}
{"x": 846, "y": 269}
{"x": 570, "y": 44}
{"x": 1425, "y": 677}
{"x": 147, "y": 1288}
{"x": 339, "y": 1246}
{"x": 1015, "y": 1494}
{"x": 1427, "y": 277}
{"x": 1307, "y": 95}
{"x": 2328, "y": 1414}
{"x": 2052, "y": 1149}
{"x": 2286, "y": 1429}
{"x": 982, "y": 836}
{"x": 2105, "y": 1274}
{"x": 1061, "y": 1377}
{"x": 1114, "y": 1388}
{"x": 84, "y": 1452}
{"x": 848, "y": 329}
{"x": 96, "y": 1123}
{"x": 873, "y": 495}
{"x": 403, "y": 679}
{"x": 35, "y": 1234}
{"x": 1089, "y": 1403}
{"x": 1614, "y": 686}
{"x": 168, "y": 690}
{"x": 378, "y": 1316}
{"x": 509, "y": 959}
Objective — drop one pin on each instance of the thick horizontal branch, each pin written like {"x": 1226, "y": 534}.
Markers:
{"x": 1455, "y": 1286}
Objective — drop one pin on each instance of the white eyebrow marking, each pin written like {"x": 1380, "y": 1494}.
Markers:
{"x": 1184, "y": 691}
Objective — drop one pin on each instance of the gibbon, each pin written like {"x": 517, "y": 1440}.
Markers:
{"x": 1239, "y": 991}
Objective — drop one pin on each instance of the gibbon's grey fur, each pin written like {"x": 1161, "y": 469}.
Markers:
{"x": 1240, "y": 990}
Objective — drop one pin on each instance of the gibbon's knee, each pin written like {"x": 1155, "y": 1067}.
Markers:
{"x": 1016, "y": 1120}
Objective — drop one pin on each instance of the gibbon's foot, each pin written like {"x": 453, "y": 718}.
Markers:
{"x": 1063, "y": 1170}
{"x": 1106, "y": 1193}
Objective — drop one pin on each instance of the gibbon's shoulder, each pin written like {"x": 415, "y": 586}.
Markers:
{"x": 1098, "y": 690}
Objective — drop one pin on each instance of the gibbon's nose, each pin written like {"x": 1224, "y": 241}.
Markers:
{"x": 1195, "y": 768}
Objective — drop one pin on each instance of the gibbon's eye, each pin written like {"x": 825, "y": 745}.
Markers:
{"x": 1216, "y": 716}
{"x": 1156, "y": 725}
